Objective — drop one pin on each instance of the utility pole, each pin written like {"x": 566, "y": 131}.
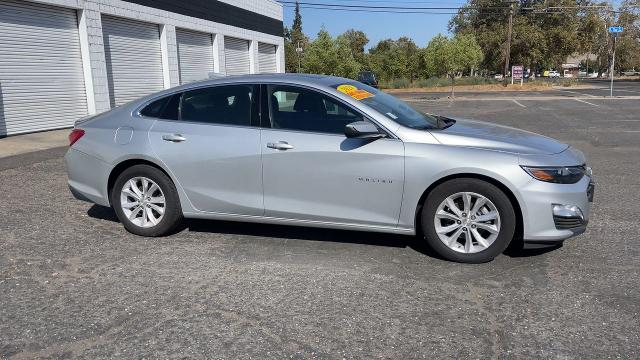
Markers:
{"x": 615, "y": 31}
{"x": 299, "y": 51}
{"x": 508, "y": 54}
{"x": 613, "y": 61}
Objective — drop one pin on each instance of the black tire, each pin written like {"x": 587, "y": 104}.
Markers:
{"x": 172, "y": 212}
{"x": 488, "y": 190}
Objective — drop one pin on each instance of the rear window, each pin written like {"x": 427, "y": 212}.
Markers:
{"x": 155, "y": 108}
{"x": 165, "y": 108}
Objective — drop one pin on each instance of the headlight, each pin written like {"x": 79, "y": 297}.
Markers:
{"x": 558, "y": 175}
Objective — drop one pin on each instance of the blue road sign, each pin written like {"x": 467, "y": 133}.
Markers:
{"x": 615, "y": 29}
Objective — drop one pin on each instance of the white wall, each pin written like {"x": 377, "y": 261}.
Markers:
{"x": 94, "y": 64}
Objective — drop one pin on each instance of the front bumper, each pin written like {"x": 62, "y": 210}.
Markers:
{"x": 542, "y": 224}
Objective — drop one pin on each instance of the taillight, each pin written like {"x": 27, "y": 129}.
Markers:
{"x": 75, "y": 135}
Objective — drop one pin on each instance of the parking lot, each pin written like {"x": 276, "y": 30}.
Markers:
{"x": 73, "y": 283}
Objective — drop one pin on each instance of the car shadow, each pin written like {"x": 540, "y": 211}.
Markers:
{"x": 415, "y": 243}
{"x": 102, "y": 213}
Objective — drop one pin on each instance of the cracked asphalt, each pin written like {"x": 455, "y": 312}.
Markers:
{"x": 74, "y": 284}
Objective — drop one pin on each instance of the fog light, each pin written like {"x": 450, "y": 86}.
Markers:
{"x": 567, "y": 211}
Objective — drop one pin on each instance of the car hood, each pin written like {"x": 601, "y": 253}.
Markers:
{"x": 470, "y": 133}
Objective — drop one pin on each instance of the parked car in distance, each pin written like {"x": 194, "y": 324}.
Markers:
{"x": 631, "y": 73}
{"x": 583, "y": 74}
{"x": 324, "y": 151}
{"x": 498, "y": 76}
{"x": 553, "y": 74}
{"x": 368, "y": 78}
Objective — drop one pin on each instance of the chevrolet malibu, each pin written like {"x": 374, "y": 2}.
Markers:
{"x": 329, "y": 152}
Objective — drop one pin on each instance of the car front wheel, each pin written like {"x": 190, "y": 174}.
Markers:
{"x": 468, "y": 220}
{"x": 146, "y": 201}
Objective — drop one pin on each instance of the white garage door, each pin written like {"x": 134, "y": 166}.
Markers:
{"x": 41, "y": 78}
{"x": 195, "y": 55}
{"x": 236, "y": 56}
{"x": 134, "y": 59}
{"x": 267, "y": 58}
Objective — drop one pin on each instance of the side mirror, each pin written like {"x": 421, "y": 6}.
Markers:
{"x": 362, "y": 130}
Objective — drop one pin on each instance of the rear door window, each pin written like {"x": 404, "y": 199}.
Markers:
{"x": 227, "y": 105}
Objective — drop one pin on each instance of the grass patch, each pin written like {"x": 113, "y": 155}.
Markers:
{"x": 435, "y": 82}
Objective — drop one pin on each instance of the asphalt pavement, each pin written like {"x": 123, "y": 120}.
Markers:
{"x": 74, "y": 284}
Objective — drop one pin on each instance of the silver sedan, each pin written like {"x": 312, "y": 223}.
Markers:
{"x": 327, "y": 152}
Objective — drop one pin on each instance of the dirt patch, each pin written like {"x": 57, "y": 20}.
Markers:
{"x": 492, "y": 87}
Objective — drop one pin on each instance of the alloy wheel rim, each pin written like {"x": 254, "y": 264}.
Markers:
{"x": 467, "y": 222}
{"x": 142, "y": 202}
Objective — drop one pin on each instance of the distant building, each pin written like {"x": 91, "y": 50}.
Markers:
{"x": 570, "y": 70}
{"x": 61, "y": 60}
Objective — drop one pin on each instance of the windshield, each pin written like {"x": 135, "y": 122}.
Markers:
{"x": 389, "y": 106}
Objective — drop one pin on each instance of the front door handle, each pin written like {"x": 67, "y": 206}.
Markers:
{"x": 280, "y": 145}
{"x": 173, "y": 138}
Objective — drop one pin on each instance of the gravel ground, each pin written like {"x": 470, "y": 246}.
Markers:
{"x": 74, "y": 284}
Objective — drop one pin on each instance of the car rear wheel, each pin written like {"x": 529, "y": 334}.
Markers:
{"x": 146, "y": 201}
{"x": 468, "y": 220}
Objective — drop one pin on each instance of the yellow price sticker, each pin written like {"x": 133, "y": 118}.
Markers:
{"x": 354, "y": 92}
{"x": 347, "y": 88}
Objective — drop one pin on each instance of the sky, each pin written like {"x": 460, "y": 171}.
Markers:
{"x": 378, "y": 26}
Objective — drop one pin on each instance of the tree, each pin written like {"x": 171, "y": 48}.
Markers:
{"x": 451, "y": 57}
{"x": 394, "y": 59}
{"x": 349, "y": 63}
{"x": 297, "y": 19}
{"x": 410, "y": 55}
{"x": 320, "y": 56}
{"x": 356, "y": 40}
{"x": 437, "y": 56}
{"x": 292, "y": 39}
{"x": 628, "y": 44}
{"x": 329, "y": 56}
{"x": 541, "y": 37}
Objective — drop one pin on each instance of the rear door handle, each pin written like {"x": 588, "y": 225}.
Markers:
{"x": 280, "y": 145}
{"x": 173, "y": 138}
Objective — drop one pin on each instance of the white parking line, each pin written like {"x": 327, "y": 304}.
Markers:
{"x": 575, "y": 92}
{"x": 586, "y": 102}
{"x": 517, "y": 103}
{"x": 622, "y": 90}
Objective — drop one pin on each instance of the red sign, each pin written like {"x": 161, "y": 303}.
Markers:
{"x": 517, "y": 72}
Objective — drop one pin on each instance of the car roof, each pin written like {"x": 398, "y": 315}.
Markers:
{"x": 295, "y": 78}
{"x": 326, "y": 82}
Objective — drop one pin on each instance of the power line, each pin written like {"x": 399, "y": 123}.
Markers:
{"x": 462, "y": 2}
{"x": 368, "y": 7}
{"x": 378, "y": 11}
{"x": 437, "y": 10}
